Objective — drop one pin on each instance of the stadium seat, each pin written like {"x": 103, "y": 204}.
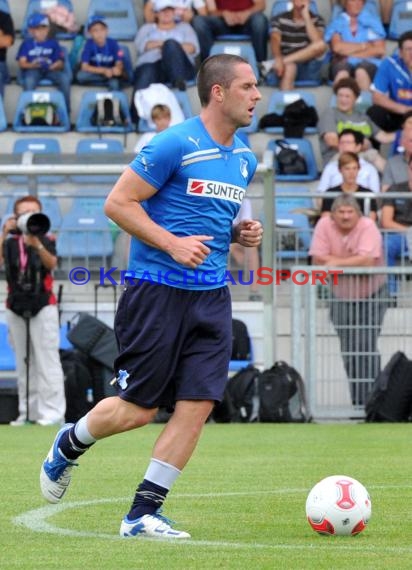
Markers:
{"x": 120, "y": 16}
{"x": 243, "y": 49}
{"x": 104, "y": 148}
{"x": 304, "y": 147}
{"x": 292, "y": 236}
{"x": 401, "y": 19}
{"x": 85, "y": 234}
{"x": 43, "y": 6}
{"x": 3, "y": 120}
{"x": 280, "y": 6}
{"x": 87, "y": 106}
{"x": 7, "y": 357}
{"x": 278, "y": 101}
{"x": 363, "y": 102}
{"x": 286, "y": 203}
{"x": 4, "y": 6}
{"x": 184, "y": 102}
{"x": 54, "y": 97}
{"x": 36, "y": 146}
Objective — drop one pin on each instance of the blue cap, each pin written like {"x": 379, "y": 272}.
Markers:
{"x": 96, "y": 19}
{"x": 36, "y": 20}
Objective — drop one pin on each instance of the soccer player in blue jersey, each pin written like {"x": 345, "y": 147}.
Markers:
{"x": 177, "y": 200}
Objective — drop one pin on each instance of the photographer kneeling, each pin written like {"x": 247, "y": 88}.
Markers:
{"x": 29, "y": 257}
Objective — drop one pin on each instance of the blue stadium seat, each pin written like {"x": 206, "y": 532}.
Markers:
{"x": 120, "y": 16}
{"x": 401, "y": 19}
{"x": 87, "y": 106}
{"x": 278, "y": 101}
{"x": 292, "y": 235}
{"x": 184, "y": 102}
{"x": 85, "y": 234}
{"x": 363, "y": 102}
{"x": 3, "y": 120}
{"x": 104, "y": 147}
{"x": 288, "y": 203}
{"x": 243, "y": 49}
{"x": 4, "y": 6}
{"x": 43, "y": 6}
{"x": 280, "y": 6}
{"x": 54, "y": 97}
{"x": 7, "y": 357}
{"x": 37, "y": 146}
{"x": 304, "y": 147}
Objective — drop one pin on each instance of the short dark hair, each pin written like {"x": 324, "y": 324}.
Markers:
{"x": 357, "y": 135}
{"x": 216, "y": 69}
{"x": 349, "y": 83}
{"x": 404, "y": 37}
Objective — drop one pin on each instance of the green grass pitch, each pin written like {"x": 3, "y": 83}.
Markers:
{"x": 242, "y": 497}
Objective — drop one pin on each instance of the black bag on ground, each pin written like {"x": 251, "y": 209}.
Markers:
{"x": 391, "y": 396}
{"x": 240, "y": 402}
{"x": 276, "y": 386}
{"x": 108, "y": 113}
{"x": 289, "y": 160}
{"x": 78, "y": 384}
{"x": 240, "y": 341}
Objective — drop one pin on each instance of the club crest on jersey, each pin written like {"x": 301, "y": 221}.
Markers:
{"x": 215, "y": 189}
{"x": 243, "y": 168}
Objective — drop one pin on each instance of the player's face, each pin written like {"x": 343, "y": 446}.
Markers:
{"x": 345, "y": 99}
{"x": 346, "y": 218}
{"x": 242, "y": 96}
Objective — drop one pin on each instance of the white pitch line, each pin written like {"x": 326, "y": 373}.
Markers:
{"x": 36, "y": 521}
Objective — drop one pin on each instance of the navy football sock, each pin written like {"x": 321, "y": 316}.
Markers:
{"x": 149, "y": 497}
{"x": 70, "y": 446}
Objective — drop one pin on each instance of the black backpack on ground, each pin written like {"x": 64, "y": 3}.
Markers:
{"x": 391, "y": 396}
{"x": 241, "y": 346}
{"x": 282, "y": 395}
{"x": 240, "y": 401}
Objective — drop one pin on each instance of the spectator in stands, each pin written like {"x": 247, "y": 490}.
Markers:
{"x": 247, "y": 258}
{"x": 228, "y": 17}
{"x": 161, "y": 116}
{"x": 32, "y": 317}
{"x": 396, "y": 168}
{"x": 102, "y": 59}
{"x": 358, "y": 302}
{"x": 368, "y": 177}
{"x": 349, "y": 166}
{"x": 42, "y": 58}
{"x": 185, "y": 10}
{"x": 392, "y": 87}
{"x": 296, "y": 40}
{"x": 397, "y": 218}
{"x": 357, "y": 41}
{"x": 6, "y": 40}
{"x": 345, "y": 116}
{"x": 166, "y": 50}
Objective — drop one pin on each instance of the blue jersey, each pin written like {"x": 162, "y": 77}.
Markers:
{"x": 46, "y": 52}
{"x": 394, "y": 79}
{"x": 201, "y": 185}
{"x": 102, "y": 56}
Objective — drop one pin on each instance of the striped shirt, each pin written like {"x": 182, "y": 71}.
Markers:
{"x": 294, "y": 36}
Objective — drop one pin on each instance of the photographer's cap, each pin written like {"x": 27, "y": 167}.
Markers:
{"x": 38, "y": 20}
{"x": 96, "y": 19}
{"x": 159, "y": 5}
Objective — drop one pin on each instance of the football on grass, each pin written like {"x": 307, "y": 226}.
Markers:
{"x": 338, "y": 505}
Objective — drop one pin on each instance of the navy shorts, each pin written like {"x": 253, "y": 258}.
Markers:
{"x": 174, "y": 344}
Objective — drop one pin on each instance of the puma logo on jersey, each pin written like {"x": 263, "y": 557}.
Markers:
{"x": 215, "y": 189}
